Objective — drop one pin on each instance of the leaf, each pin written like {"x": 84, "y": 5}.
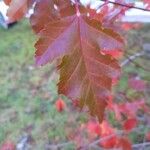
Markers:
{"x": 7, "y": 2}
{"x": 85, "y": 73}
{"x": 84, "y": 76}
{"x": 147, "y": 136}
{"x": 109, "y": 143}
{"x": 124, "y": 143}
{"x": 147, "y": 2}
{"x": 128, "y": 109}
{"x": 45, "y": 15}
{"x": 106, "y": 131}
{"x": 117, "y": 112}
{"x": 46, "y": 11}
{"x": 8, "y": 145}
{"x": 113, "y": 52}
{"x": 130, "y": 124}
{"x": 17, "y": 9}
{"x": 60, "y": 105}
{"x": 93, "y": 127}
{"x": 129, "y": 26}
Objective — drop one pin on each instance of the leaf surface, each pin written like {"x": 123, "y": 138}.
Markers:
{"x": 46, "y": 11}
{"x": 86, "y": 73}
{"x": 7, "y": 2}
{"x": 17, "y": 9}
{"x": 130, "y": 124}
{"x": 60, "y": 105}
{"x": 124, "y": 144}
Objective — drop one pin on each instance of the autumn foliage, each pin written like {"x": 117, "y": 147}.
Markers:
{"x": 8, "y": 145}
{"x": 60, "y": 105}
{"x": 86, "y": 45}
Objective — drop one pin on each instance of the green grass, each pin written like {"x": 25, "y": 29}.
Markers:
{"x": 27, "y": 93}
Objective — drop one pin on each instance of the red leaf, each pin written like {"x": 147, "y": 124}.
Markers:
{"x": 130, "y": 109}
{"x": 94, "y": 128}
{"x": 130, "y": 124}
{"x": 106, "y": 131}
{"x": 85, "y": 73}
{"x": 8, "y": 146}
{"x": 124, "y": 144}
{"x": 148, "y": 136}
{"x": 117, "y": 112}
{"x": 109, "y": 143}
{"x": 60, "y": 105}
{"x": 7, "y": 2}
{"x": 46, "y": 12}
{"x": 147, "y": 2}
{"x": 114, "y": 53}
{"x": 128, "y": 26}
{"x": 17, "y": 8}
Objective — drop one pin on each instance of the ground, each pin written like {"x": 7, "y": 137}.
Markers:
{"x": 27, "y": 93}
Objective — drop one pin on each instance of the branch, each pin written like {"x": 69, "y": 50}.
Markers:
{"x": 127, "y": 6}
{"x": 141, "y": 144}
{"x": 104, "y": 139}
{"x": 119, "y": 132}
{"x": 136, "y": 64}
{"x": 131, "y": 58}
{"x": 55, "y": 147}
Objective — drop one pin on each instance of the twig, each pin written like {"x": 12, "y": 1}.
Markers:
{"x": 131, "y": 58}
{"x": 137, "y": 64}
{"x": 141, "y": 144}
{"x": 49, "y": 146}
{"x": 105, "y": 3}
{"x": 105, "y": 138}
{"x": 127, "y": 6}
{"x": 120, "y": 132}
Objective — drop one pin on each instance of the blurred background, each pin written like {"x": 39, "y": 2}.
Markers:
{"x": 34, "y": 117}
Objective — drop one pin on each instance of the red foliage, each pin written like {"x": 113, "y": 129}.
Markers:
{"x": 8, "y": 145}
{"x": 128, "y": 26}
{"x": 7, "y": 2}
{"x": 147, "y": 2}
{"x": 107, "y": 130}
{"x": 129, "y": 124}
{"x": 113, "y": 52}
{"x": 128, "y": 109}
{"x": 108, "y": 135}
{"x": 80, "y": 42}
{"x": 109, "y": 143}
{"x": 60, "y": 105}
{"x": 87, "y": 44}
{"x": 148, "y": 136}
{"x": 103, "y": 130}
{"x": 124, "y": 143}
{"x": 93, "y": 128}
